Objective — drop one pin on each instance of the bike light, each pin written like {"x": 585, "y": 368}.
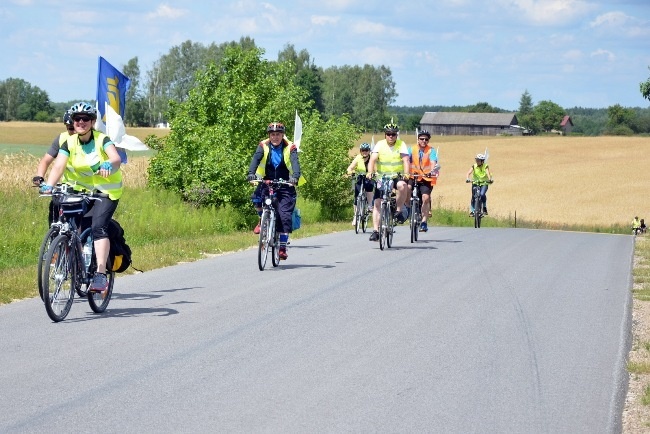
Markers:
{"x": 267, "y": 201}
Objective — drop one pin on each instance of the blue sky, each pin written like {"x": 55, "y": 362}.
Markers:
{"x": 441, "y": 52}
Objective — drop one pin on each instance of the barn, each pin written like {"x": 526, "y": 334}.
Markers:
{"x": 566, "y": 125}
{"x": 470, "y": 124}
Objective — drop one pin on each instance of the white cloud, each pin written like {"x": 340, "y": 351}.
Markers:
{"x": 548, "y": 12}
{"x": 573, "y": 55}
{"x": 621, "y": 23}
{"x": 166, "y": 12}
{"x": 605, "y": 53}
{"x": 367, "y": 27}
{"x": 321, "y": 20}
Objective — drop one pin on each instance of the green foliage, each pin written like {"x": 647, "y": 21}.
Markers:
{"x": 323, "y": 160}
{"x": 214, "y": 133}
{"x": 644, "y": 87}
{"x": 548, "y": 115}
{"x": 19, "y": 100}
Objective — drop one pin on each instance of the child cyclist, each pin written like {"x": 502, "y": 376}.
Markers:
{"x": 479, "y": 174}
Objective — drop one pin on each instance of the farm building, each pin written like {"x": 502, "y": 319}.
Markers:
{"x": 470, "y": 124}
{"x": 566, "y": 125}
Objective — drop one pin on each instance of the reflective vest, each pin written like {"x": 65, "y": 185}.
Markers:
{"x": 480, "y": 173}
{"x": 424, "y": 166}
{"x": 389, "y": 161}
{"x": 362, "y": 166}
{"x": 63, "y": 137}
{"x": 81, "y": 167}
{"x": 286, "y": 152}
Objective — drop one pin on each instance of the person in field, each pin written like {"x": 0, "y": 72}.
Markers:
{"x": 424, "y": 170}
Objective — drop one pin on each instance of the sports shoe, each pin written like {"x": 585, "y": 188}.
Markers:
{"x": 485, "y": 211}
{"x": 99, "y": 283}
{"x": 423, "y": 227}
{"x": 257, "y": 229}
{"x": 471, "y": 213}
{"x": 283, "y": 253}
{"x": 374, "y": 236}
{"x": 399, "y": 217}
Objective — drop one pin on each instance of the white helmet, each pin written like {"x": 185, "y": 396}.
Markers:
{"x": 480, "y": 157}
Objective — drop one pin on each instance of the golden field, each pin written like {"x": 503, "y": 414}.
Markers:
{"x": 563, "y": 180}
{"x": 599, "y": 181}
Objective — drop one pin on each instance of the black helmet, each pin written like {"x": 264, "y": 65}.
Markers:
{"x": 275, "y": 127}
{"x": 364, "y": 147}
{"x": 424, "y": 133}
{"x": 391, "y": 128}
{"x": 67, "y": 117}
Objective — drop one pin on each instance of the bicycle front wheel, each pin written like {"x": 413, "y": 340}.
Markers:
{"x": 478, "y": 210}
{"x": 383, "y": 225}
{"x": 59, "y": 278}
{"x": 415, "y": 221}
{"x": 264, "y": 243}
{"x": 359, "y": 214}
{"x": 275, "y": 251}
{"x": 98, "y": 301}
{"x": 42, "y": 252}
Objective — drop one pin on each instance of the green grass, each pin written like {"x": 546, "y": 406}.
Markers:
{"x": 162, "y": 231}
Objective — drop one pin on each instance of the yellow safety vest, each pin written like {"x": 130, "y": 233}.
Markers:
{"x": 390, "y": 160}
{"x": 480, "y": 173}
{"x": 361, "y": 165}
{"x": 79, "y": 168}
{"x": 286, "y": 152}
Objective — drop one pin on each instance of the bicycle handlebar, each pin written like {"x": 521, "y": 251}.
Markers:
{"x": 271, "y": 181}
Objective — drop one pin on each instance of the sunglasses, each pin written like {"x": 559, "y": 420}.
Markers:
{"x": 423, "y": 138}
{"x": 82, "y": 119}
{"x": 391, "y": 134}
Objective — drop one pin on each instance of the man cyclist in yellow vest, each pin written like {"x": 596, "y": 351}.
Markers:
{"x": 90, "y": 161}
{"x": 480, "y": 175}
{"x": 389, "y": 157}
{"x": 424, "y": 168}
{"x": 276, "y": 158}
{"x": 49, "y": 157}
{"x": 636, "y": 225}
{"x": 359, "y": 165}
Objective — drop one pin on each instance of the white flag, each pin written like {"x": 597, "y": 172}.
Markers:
{"x": 486, "y": 154}
{"x": 297, "y": 132}
{"x": 115, "y": 130}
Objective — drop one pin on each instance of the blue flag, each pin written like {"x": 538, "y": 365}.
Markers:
{"x": 112, "y": 86}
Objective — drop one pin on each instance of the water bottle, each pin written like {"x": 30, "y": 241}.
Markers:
{"x": 87, "y": 252}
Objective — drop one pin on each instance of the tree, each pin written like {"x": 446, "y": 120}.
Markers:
{"x": 526, "y": 114}
{"x": 307, "y": 75}
{"x": 645, "y": 88}
{"x": 483, "y": 107}
{"x": 215, "y": 130}
{"x": 548, "y": 115}
{"x": 20, "y": 100}
{"x": 135, "y": 110}
{"x": 621, "y": 121}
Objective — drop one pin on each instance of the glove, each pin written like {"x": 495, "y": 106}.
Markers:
{"x": 38, "y": 180}
{"x": 251, "y": 177}
{"x": 106, "y": 165}
{"x": 436, "y": 167}
{"x": 406, "y": 177}
{"x": 491, "y": 181}
{"x": 45, "y": 189}
{"x": 468, "y": 180}
{"x": 369, "y": 175}
{"x": 293, "y": 180}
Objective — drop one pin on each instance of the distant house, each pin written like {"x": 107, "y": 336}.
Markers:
{"x": 566, "y": 125}
{"x": 470, "y": 124}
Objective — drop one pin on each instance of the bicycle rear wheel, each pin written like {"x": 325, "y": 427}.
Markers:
{"x": 98, "y": 301}
{"x": 264, "y": 244}
{"x": 360, "y": 213}
{"x": 42, "y": 252}
{"x": 415, "y": 221}
{"x": 390, "y": 228}
{"x": 83, "y": 281}
{"x": 59, "y": 278}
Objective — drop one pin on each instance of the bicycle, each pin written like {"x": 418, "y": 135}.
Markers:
{"x": 63, "y": 214}
{"x": 269, "y": 236}
{"x": 416, "y": 209}
{"x": 386, "y": 219}
{"x": 477, "y": 203}
{"x": 65, "y": 271}
{"x": 362, "y": 210}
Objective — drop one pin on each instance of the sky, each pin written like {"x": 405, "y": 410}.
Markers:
{"x": 575, "y": 53}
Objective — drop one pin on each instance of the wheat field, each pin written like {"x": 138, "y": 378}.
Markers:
{"x": 598, "y": 181}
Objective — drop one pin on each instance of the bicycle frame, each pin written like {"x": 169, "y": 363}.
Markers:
{"x": 386, "y": 223}
{"x": 416, "y": 216}
{"x": 269, "y": 237}
{"x": 361, "y": 214}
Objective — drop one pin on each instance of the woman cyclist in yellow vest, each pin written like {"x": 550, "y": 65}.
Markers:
{"x": 359, "y": 165}
{"x": 90, "y": 161}
{"x": 276, "y": 158}
{"x": 480, "y": 175}
{"x": 389, "y": 157}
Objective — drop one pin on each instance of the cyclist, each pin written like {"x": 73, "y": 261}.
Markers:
{"x": 90, "y": 160}
{"x": 642, "y": 226}
{"x": 636, "y": 225}
{"x": 276, "y": 158}
{"x": 49, "y": 157}
{"x": 424, "y": 164}
{"x": 359, "y": 165}
{"x": 389, "y": 157}
{"x": 480, "y": 175}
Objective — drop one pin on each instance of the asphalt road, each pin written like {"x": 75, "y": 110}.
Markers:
{"x": 467, "y": 331}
